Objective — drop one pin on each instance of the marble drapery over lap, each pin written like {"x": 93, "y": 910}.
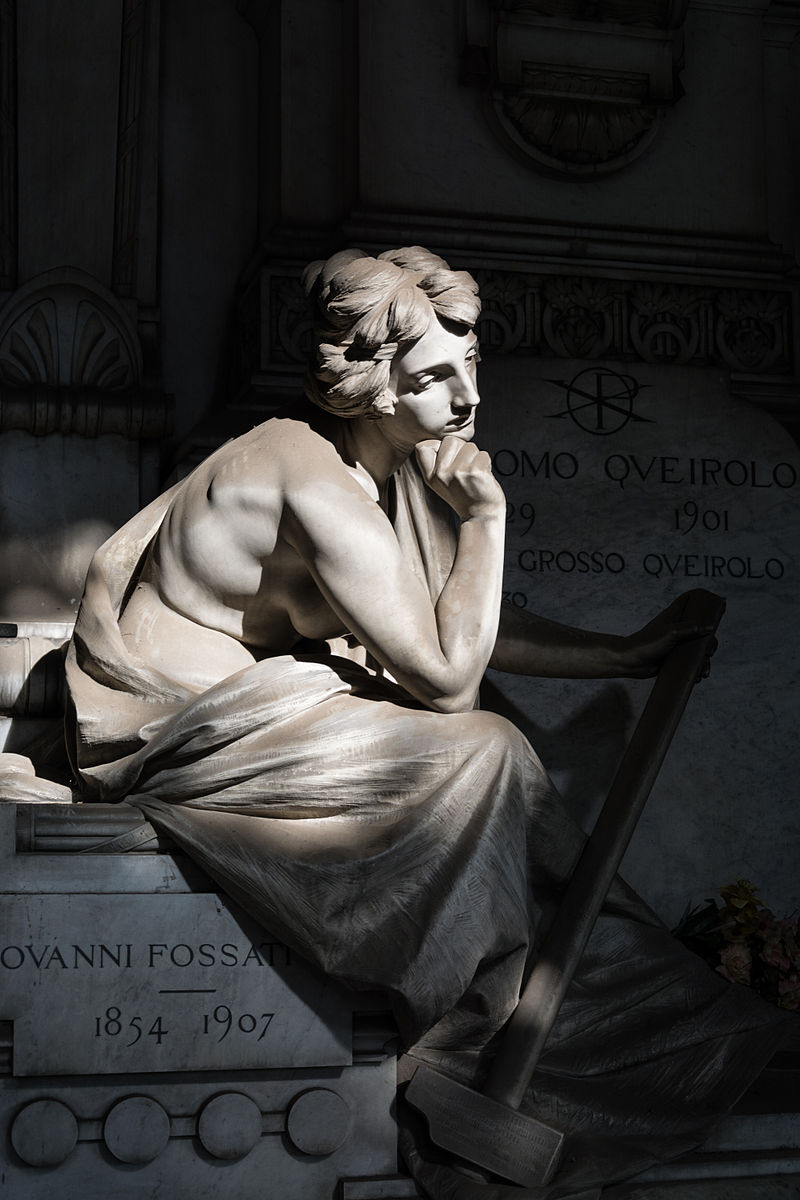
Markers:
{"x": 413, "y": 852}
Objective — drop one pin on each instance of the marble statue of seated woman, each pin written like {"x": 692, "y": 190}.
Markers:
{"x": 278, "y": 662}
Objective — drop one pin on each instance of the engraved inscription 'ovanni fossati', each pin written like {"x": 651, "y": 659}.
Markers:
{"x": 63, "y": 329}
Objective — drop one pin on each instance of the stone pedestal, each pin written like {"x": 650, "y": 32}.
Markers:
{"x": 153, "y": 1037}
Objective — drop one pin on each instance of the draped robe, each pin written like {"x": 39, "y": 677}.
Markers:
{"x": 417, "y": 853}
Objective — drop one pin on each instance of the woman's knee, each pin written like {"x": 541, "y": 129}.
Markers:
{"x": 493, "y": 730}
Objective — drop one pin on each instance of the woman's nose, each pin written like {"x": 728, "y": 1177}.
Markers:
{"x": 465, "y": 393}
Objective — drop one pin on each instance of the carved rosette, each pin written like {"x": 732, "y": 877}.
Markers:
{"x": 666, "y": 323}
{"x": 578, "y": 317}
{"x": 752, "y": 329}
{"x": 581, "y": 88}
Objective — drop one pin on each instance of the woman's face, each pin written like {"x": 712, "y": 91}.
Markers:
{"x": 434, "y": 382}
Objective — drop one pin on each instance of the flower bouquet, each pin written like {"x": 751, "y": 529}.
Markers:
{"x": 746, "y": 943}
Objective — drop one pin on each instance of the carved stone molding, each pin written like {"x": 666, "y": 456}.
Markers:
{"x": 70, "y": 362}
{"x": 745, "y": 329}
{"x": 134, "y": 266}
{"x": 6, "y": 1047}
{"x": 658, "y": 14}
{"x": 580, "y": 87}
{"x": 587, "y": 121}
{"x": 127, "y": 189}
{"x": 63, "y": 329}
{"x": 271, "y": 334}
{"x": 136, "y": 415}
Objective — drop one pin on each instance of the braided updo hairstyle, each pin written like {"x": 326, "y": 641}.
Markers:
{"x": 364, "y": 309}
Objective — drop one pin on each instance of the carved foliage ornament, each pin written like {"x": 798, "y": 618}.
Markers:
{"x": 746, "y": 330}
{"x": 581, "y": 86}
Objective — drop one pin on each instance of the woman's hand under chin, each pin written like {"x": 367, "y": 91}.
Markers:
{"x": 462, "y": 475}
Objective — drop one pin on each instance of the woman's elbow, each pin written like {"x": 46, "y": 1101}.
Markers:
{"x": 454, "y": 702}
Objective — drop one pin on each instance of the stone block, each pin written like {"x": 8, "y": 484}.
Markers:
{"x": 153, "y": 1039}
{"x": 627, "y": 485}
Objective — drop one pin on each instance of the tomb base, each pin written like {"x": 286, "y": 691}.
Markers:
{"x": 154, "y": 1041}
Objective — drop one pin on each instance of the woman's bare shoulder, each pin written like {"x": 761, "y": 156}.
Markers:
{"x": 274, "y": 460}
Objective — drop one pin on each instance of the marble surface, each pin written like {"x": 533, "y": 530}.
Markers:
{"x": 627, "y": 486}
{"x": 104, "y": 985}
{"x": 138, "y": 1057}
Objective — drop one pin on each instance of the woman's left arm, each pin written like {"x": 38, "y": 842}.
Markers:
{"x": 531, "y": 645}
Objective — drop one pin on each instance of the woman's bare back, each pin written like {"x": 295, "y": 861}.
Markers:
{"x": 221, "y": 586}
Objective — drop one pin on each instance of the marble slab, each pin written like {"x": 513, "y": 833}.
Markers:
{"x": 108, "y": 984}
{"x": 627, "y": 486}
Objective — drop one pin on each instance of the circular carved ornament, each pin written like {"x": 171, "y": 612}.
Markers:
{"x": 44, "y": 1133}
{"x": 577, "y": 135}
{"x": 136, "y": 1130}
{"x": 318, "y": 1121}
{"x": 230, "y": 1125}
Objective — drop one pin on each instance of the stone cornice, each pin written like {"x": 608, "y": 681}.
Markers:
{"x": 531, "y": 246}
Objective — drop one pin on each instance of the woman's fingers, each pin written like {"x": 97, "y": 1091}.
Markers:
{"x": 461, "y": 474}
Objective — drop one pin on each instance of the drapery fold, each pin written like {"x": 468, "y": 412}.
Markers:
{"x": 417, "y": 853}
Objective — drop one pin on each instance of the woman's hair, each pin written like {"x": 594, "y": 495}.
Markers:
{"x": 364, "y": 309}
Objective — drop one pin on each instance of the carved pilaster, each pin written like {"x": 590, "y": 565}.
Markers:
{"x": 271, "y": 338}
{"x": 127, "y": 189}
{"x": 6, "y": 1046}
{"x": 8, "y": 144}
{"x": 135, "y": 255}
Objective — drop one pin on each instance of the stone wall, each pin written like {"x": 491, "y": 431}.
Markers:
{"x": 623, "y": 180}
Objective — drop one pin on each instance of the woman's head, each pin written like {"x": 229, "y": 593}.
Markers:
{"x": 364, "y": 309}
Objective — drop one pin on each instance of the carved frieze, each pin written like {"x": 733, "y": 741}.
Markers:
{"x": 271, "y": 333}
{"x": 570, "y": 316}
{"x": 746, "y": 330}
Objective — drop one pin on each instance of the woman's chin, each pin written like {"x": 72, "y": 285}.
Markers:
{"x": 465, "y": 430}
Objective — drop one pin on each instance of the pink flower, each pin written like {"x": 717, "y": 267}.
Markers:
{"x": 736, "y": 962}
{"x": 772, "y": 953}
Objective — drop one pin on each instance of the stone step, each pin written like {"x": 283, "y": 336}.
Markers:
{"x": 765, "y": 1187}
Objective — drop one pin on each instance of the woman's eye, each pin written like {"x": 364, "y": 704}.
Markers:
{"x": 425, "y": 382}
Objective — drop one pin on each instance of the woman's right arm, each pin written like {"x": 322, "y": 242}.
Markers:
{"x": 348, "y": 545}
